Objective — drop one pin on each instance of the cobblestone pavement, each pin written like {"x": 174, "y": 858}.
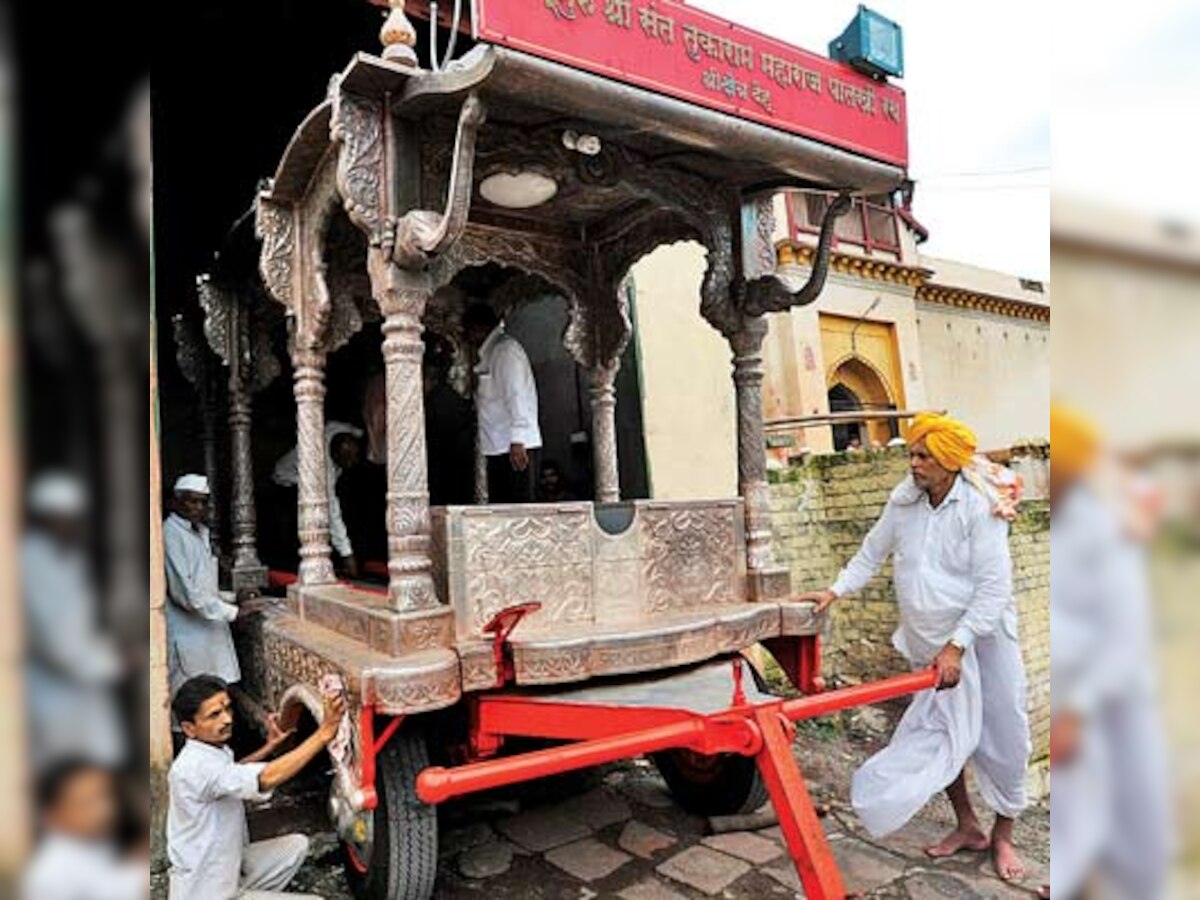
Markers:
{"x": 615, "y": 833}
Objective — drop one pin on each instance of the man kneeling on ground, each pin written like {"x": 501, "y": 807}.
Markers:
{"x": 207, "y": 838}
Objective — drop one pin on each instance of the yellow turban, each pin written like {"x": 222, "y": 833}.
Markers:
{"x": 948, "y": 440}
{"x": 1074, "y": 441}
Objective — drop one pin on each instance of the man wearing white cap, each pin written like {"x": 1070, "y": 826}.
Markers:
{"x": 198, "y": 615}
{"x": 71, "y": 665}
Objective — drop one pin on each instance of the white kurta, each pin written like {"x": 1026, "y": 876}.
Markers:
{"x": 506, "y": 399}
{"x": 65, "y": 868}
{"x": 953, "y": 579}
{"x": 287, "y": 474}
{"x": 206, "y": 822}
{"x": 71, "y": 664}
{"x": 198, "y": 613}
{"x": 1111, "y": 807}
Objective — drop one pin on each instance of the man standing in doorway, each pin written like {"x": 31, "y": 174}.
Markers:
{"x": 506, "y": 403}
{"x": 198, "y": 612}
{"x": 953, "y": 580}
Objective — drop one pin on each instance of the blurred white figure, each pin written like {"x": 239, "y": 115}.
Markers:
{"x": 198, "y": 615}
{"x": 1110, "y": 809}
{"x": 76, "y": 858}
{"x": 71, "y": 664}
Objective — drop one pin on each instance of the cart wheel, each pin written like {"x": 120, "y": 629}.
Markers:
{"x": 723, "y": 784}
{"x": 398, "y": 861}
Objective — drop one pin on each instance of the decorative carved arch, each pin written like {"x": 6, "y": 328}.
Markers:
{"x": 855, "y": 359}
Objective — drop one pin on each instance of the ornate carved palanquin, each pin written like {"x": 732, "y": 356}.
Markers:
{"x": 372, "y": 211}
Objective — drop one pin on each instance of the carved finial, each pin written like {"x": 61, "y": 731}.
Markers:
{"x": 398, "y": 36}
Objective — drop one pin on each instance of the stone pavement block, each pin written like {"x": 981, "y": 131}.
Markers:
{"x": 650, "y": 889}
{"x": 913, "y": 838}
{"x": 865, "y": 868}
{"x": 944, "y": 886}
{"x": 1036, "y": 873}
{"x": 455, "y": 841}
{"x": 543, "y": 829}
{"x": 587, "y": 860}
{"x": 651, "y": 792}
{"x": 704, "y": 869}
{"x": 642, "y": 840}
{"x": 786, "y": 875}
{"x": 744, "y": 845}
{"x": 486, "y": 861}
{"x": 598, "y": 809}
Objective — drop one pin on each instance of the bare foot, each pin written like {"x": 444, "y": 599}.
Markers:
{"x": 971, "y": 838}
{"x": 1008, "y": 865}
{"x": 1044, "y": 892}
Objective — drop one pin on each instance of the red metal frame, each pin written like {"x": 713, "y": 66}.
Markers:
{"x": 603, "y": 734}
{"x": 370, "y": 748}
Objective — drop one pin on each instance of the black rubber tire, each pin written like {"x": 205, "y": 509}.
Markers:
{"x": 721, "y": 785}
{"x": 404, "y": 857}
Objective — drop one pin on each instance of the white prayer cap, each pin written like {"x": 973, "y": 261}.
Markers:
{"x": 57, "y": 494}
{"x": 197, "y": 484}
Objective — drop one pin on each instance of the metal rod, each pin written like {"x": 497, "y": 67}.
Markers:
{"x": 860, "y": 695}
{"x": 848, "y": 416}
{"x": 437, "y": 784}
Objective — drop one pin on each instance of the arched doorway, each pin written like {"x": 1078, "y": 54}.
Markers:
{"x": 855, "y": 385}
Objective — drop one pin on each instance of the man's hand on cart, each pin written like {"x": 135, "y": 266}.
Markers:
{"x": 349, "y": 566}
{"x": 331, "y": 719}
{"x": 823, "y": 599}
{"x": 948, "y": 663}
{"x": 519, "y": 457}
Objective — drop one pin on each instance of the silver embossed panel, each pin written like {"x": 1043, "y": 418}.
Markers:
{"x": 674, "y": 557}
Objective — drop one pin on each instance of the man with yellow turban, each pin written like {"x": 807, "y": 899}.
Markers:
{"x": 953, "y": 581}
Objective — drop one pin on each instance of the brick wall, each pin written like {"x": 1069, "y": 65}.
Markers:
{"x": 822, "y": 508}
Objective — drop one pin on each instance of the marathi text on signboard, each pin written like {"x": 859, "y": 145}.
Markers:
{"x": 680, "y": 51}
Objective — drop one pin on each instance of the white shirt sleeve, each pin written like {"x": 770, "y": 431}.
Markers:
{"x": 287, "y": 469}
{"x": 234, "y": 780}
{"x": 991, "y": 568}
{"x": 184, "y": 590}
{"x": 338, "y": 536}
{"x": 514, "y": 375}
{"x": 871, "y": 556}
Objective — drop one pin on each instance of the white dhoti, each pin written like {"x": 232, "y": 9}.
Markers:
{"x": 269, "y": 866}
{"x": 982, "y": 720}
{"x": 936, "y": 736}
{"x": 1001, "y": 760}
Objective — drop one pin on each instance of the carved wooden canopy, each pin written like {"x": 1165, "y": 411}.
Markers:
{"x": 400, "y": 153}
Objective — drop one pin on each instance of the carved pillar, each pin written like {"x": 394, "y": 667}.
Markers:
{"x": 752, "y": 459}
{"x": 402, "y": 296}
{"x": 768, "y": 581}
{"x": 192, "y": 355}
{"x": 248, "y": 571}
{"x": 316, "y": 566}
{"x": 604, "y": 432}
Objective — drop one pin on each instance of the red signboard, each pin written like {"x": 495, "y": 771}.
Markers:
{"x": 677, "y": 50}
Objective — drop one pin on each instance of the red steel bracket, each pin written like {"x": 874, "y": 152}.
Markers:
{"x": 370, "y": 747}
{"x": 500, "y": 626}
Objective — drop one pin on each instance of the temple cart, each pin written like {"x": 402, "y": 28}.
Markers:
{"x": 608, "y": 628}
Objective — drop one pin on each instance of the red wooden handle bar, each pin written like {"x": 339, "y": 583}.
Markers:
{"x": 860, "y": 695}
